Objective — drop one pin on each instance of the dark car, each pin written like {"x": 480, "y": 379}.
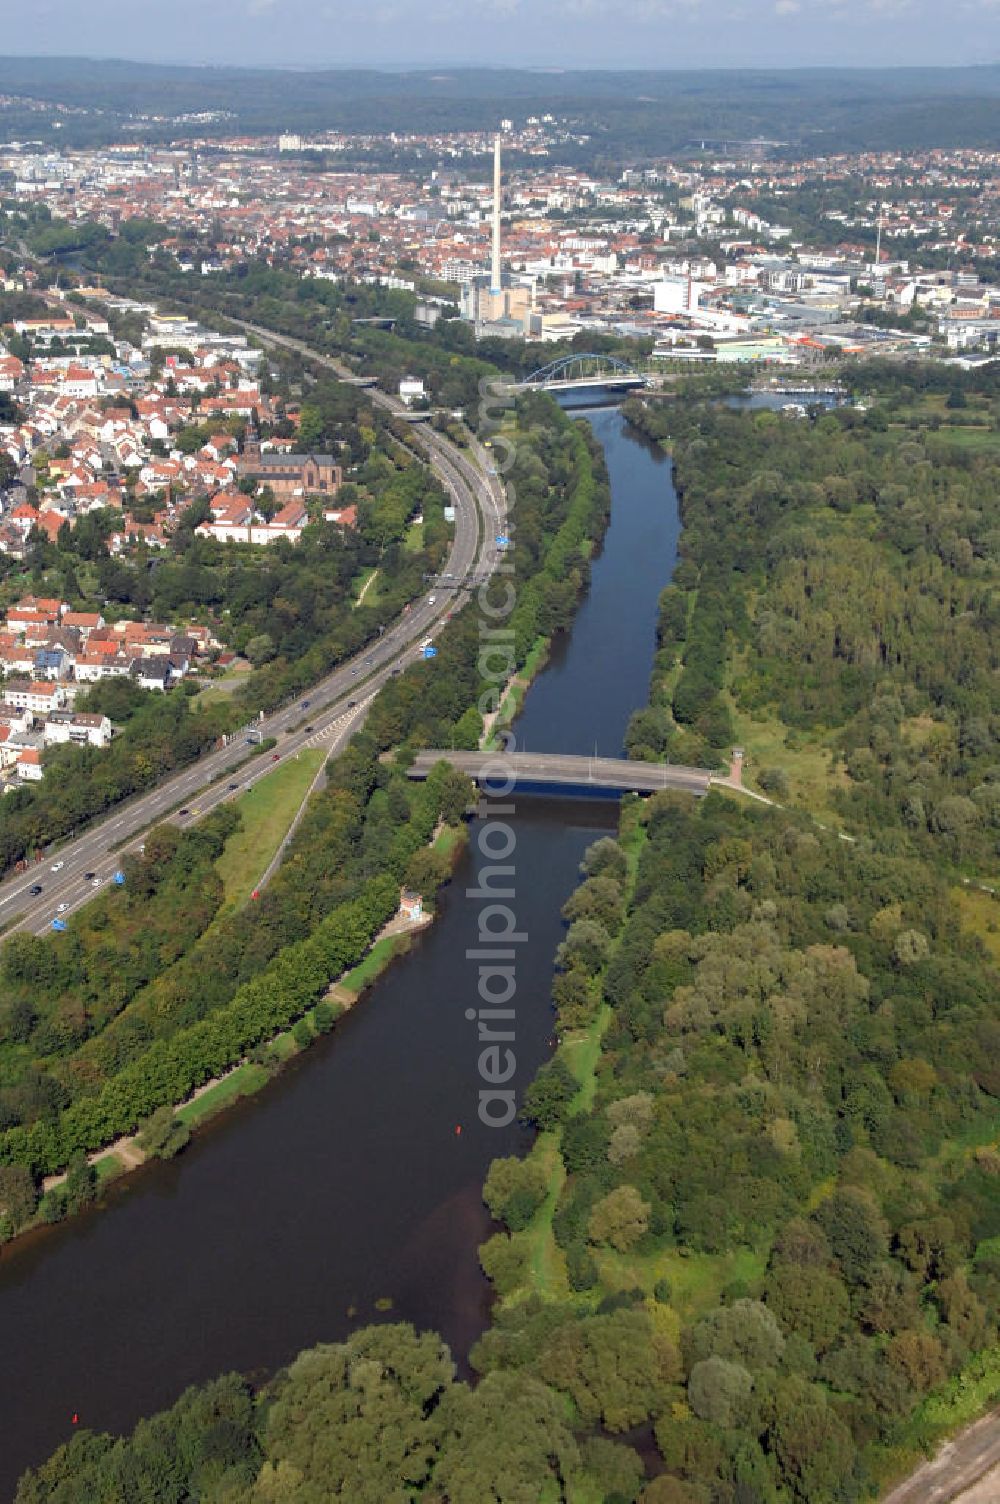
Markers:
{"x": 183, "y": 811}
{"x": 88, "y": 875}
{"x": 234, "y": 785}
{"x": 35, "y": 889}
{"x": 396, "y": 671}
{"x": 310, "y": 727}
{"x": 306, "y": 704}
{"x": 351, "y": 704}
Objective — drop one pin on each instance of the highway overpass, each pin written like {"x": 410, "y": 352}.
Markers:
{"x": 615, "y": 775}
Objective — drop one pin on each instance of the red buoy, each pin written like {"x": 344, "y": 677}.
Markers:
{"x": 76, "y": 1417}
{"x": 458, "y": 1128}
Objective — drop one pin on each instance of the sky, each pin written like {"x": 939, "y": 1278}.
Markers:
{"x": 561, "y": 33}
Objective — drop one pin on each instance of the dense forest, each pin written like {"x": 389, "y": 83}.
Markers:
{"x": 835, "y": 605}
{"x": 638, "y": 112}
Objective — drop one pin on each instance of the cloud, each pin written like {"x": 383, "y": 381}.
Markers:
{"x": 786, "y": 7}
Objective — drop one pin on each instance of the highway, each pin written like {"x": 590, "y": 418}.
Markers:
{"x": 327, "y": 715}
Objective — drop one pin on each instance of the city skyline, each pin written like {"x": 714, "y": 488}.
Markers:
{"x": 566, "y": 34}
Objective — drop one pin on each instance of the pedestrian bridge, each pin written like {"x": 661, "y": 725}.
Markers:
{"x": 616, "y": 775}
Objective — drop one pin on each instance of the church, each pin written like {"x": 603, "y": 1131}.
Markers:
{"x": 288, "y": 475}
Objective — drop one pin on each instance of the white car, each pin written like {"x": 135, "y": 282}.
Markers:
{"x": 62, "y": 908}
{"x": 58, "y": 866}
{"x": 96, "y": 883}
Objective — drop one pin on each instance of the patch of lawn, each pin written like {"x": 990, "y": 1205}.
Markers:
{"x": 414, "y": 540}
{"x": 979, "y": 914}
{"x": 806, "y": 762}
{"x": 241, "y": 1082}
{"x": 366, "y": 588}
{"x": 374, "y": 963}
{"x": 268, "y": 809}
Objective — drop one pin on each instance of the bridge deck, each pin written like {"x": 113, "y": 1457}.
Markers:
{"x": 616, "y": 774}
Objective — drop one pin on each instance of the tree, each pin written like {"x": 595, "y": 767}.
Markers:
{"x": 358, "y": 1419}
{"x": 605, "y": 858}
{"x": 507, "y": 1441}
{"x": 719, "y": 1391}
{"x": 585, "y": 946}
{"x": 163, "y": 1134}
{"x": 426, "y": 870}
{"x": 547, "y": 1097}
{"x": 857, "y": 1231}
{"x": 619, "y": 1219}
{"x": 514, "y": 1190}
{"x": 260, "y": 649}
{"x": 18, "y": 1195}
{"x": 812, "y": 1445}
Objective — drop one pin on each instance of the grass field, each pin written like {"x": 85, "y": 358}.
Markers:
{"x": 806, "y": 764}
{"x": 242, "y": 1082}
{"x": 374, "y": 963}
{"x": 414, "y": 540}
{"x": 267, "y": 810}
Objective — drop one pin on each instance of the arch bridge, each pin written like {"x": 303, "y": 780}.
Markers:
{"x": 581, "y": 371}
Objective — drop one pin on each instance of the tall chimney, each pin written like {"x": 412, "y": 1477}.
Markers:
{"x": 495, "y": 272}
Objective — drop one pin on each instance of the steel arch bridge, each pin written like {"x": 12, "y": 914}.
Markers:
{"x": 585, "y": 368}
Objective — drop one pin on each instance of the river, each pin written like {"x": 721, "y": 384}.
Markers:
{"x": 344, "y": 1183}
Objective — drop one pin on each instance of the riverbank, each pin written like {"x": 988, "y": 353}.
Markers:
{"x": 126, "y": 1154}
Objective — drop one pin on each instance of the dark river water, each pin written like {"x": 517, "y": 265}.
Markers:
{"x": 344, "y": 1182}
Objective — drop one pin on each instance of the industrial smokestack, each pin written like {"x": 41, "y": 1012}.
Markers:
{"x": 495, "y": 272}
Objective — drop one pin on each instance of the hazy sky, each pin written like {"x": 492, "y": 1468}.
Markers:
{"x": 649, "y": 33}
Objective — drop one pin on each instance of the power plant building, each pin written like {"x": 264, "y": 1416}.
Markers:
{"x": 492, "y": 303}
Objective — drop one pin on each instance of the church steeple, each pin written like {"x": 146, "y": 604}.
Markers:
{"x": 251, "y": 438}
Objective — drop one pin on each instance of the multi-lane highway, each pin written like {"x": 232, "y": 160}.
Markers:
{"x": 327, "y": 715}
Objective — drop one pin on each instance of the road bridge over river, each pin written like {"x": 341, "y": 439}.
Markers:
{"x": 616, "y": 775}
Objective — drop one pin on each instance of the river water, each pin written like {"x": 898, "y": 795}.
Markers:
{"x": 344, "y": 1183}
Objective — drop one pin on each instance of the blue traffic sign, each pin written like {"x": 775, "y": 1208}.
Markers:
{"x": 119, "y": 878}
{"x": 430, "y": 652}
{"x": 58, "y": 924}
{"x": 501, "y": 541}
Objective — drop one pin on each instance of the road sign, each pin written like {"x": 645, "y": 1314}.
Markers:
{"x": 501, "y": 541}
{"x": 58, "y": 924}
{"x": 119, "y": 878}
{"x": 430, "y": 652}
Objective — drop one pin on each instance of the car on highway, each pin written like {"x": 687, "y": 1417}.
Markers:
{"x": 183, "y": 811}
{"x": 306, "y": 704}
{"x": 310, "y": 727}
{"x": 96, "y": 883}
{"x": 353, "y": 672}
{"x": 369, "y": 660}
{"x": 275, "y": 756}
{"x": 351, "y": 704}
{"x": 88, "y": 875}
{"x": 35, "y": 889}
{"x": 58, "y": 866}
{"x": 62, "y": 908}
{"x": 396, "y": 671}
{"x": 233, "y": 786}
